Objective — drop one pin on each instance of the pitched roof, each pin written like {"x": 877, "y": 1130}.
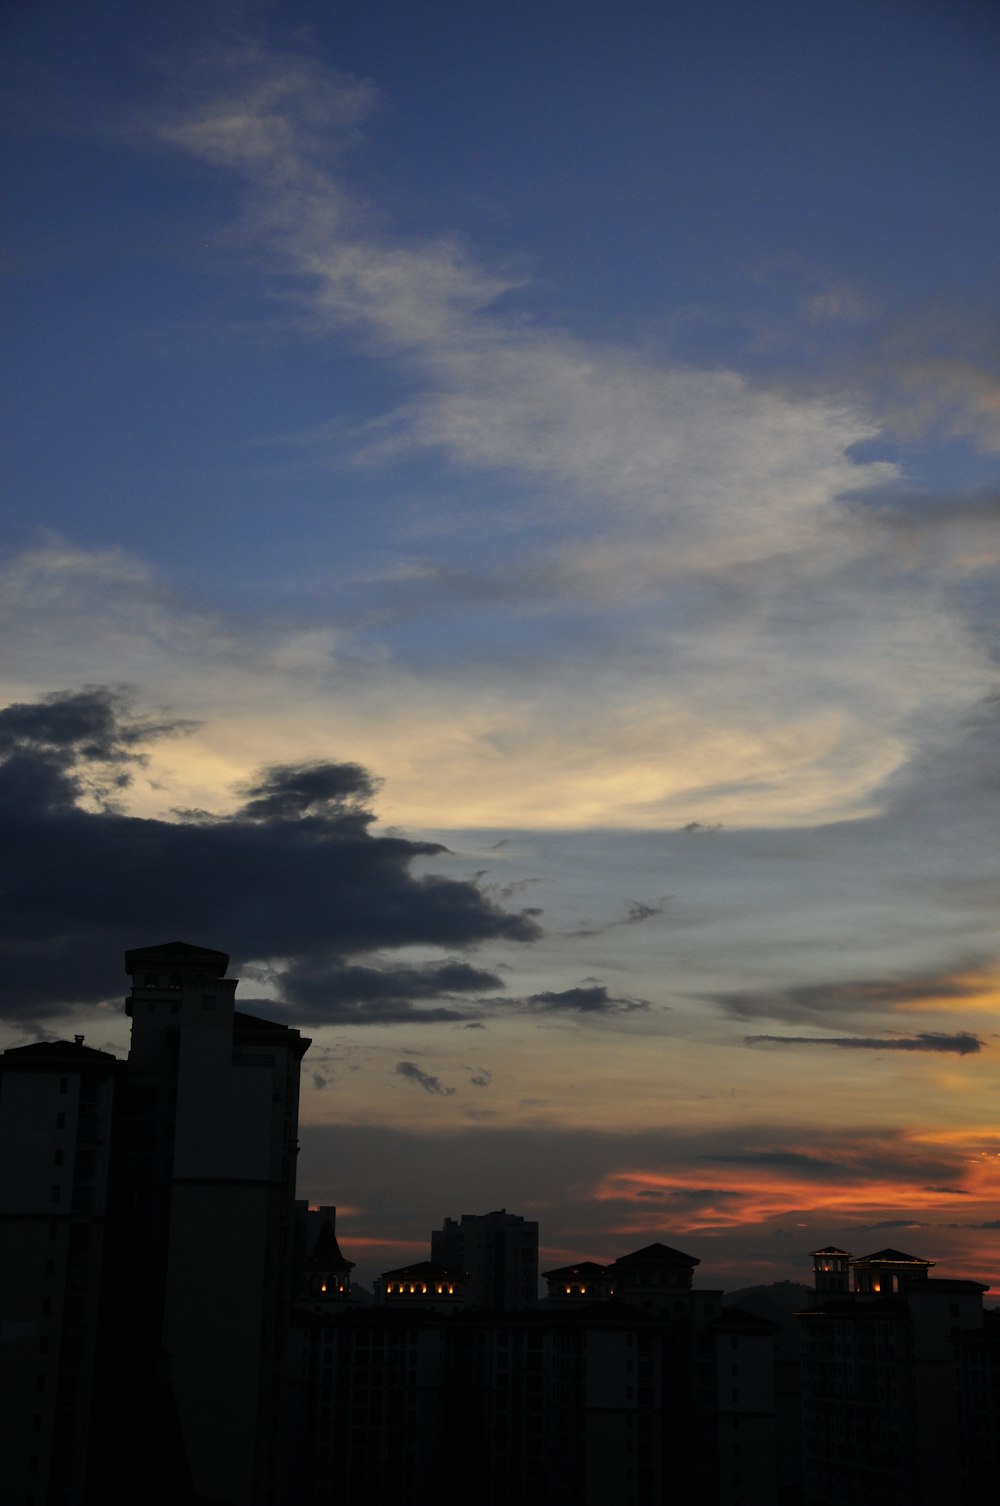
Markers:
{"x": 655, "y": 1254}
{"x": 423, "y": 1270}
{"x": 326, "y": 1253}
{"x": 178, "y": 954}
{"x": 57, "y": 1053}
{"x": 582, "y": 1268}
{"x": 891, "y": 1257}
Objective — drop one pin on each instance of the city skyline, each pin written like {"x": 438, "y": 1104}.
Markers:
{"x": 502, "y": 540}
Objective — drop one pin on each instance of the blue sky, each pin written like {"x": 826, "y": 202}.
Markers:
{"x": 587, "y": 423}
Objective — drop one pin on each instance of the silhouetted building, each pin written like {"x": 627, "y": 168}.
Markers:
{"x": 324, "y": 1272}
{"x": 575, "y": 1285}
{"x": 885, "y": 1421}
{"x": 498, "y": 1252}
{"x": 56, "y": 1100}
{"x": 148, "y": 1205}
{"x": 594, "y": 1403}
{"x": 425, "y": 1286}
{"x": 832, "y": 1271}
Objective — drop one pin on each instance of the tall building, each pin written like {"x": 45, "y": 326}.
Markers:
{"x": 498, "y": 1254}
{"x": 158, "y": 1307}
{"x": 887, "y": 1385}
{"x": 55, "y": 1138}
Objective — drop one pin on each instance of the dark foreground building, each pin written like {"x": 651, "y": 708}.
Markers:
{"x": 900, "y": 1393}
{"x": 654, "y": 1392}
{"x": 146, "y": 1219}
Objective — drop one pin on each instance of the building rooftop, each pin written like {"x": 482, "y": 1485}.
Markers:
{"x": 176, "y": 954}
{"x": 582, "y": 1268}
{"x": 326, "y": 1252}
{"x": 51, "y": 1053}
{"x": 892, "y": 1257}
{"x": 654, "y": 1254}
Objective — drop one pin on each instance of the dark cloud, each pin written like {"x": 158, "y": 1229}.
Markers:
{"x": 785, "y": 1160}
{"x": 961, "y": 1043}
{"x": 295, "y": 876}
{"x": 478, "y": 1076}
{"x": 330, "y": 991}
{"x": 425, "y": 1080}
{"x": 891, "y": 1223}
{"x": 290, "y": 790}
{"x": 592, "y": 999}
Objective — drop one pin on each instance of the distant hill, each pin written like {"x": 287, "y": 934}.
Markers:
{"x": 778, "y": 1303}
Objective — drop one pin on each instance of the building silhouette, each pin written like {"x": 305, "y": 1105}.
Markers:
{"x": 899, "y": 1385}
{"x": 498, "y": 1255}
{"x": 644, "y": 1391}
{"x": 176, "y": 1327}
{"x": 56, "y": 1107}
{"x": 147, "y": 1211}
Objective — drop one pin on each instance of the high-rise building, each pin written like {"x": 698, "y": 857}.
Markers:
{"x": 498, "y": 1254}
{"x": 55, "y": 1139}
{"x": 887, "y": 1404}
{"x": 149, "y": 1207}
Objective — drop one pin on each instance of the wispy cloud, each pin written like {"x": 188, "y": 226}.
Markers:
{"x": 636, "y": 912}
{"x": 646, "y": 474}
{"x": 425, "y": 1080}
{"x": 963, "y": 988}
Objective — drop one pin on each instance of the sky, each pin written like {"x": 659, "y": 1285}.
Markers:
{"x": 500, "y": 536}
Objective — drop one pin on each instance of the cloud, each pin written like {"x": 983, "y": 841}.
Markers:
{"x": 636, "y": 912}
{"x": 658, "y": 485}
{"x": 479, "y": 1077}
{"x": 334, "y": 992}
{"x": 599, "y": 1194}
{"x": 586, "y": 999}
{"x": 892, "y": 1223}
{"x": 425, "y": 1080}
{"x": 695, "y": 619}
{"x": 811, "y": 1001}
{"x": 962, "y": 1043}
{"x": 294, "y": 878}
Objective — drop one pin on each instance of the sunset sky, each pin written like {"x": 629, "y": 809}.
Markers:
{"x": 501, "y": 537}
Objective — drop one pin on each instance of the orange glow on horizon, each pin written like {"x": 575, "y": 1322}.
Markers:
{"x": 756, "y": 1195}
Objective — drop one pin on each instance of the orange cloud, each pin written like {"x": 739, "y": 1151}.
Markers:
{"x": 757, "y": 1196}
